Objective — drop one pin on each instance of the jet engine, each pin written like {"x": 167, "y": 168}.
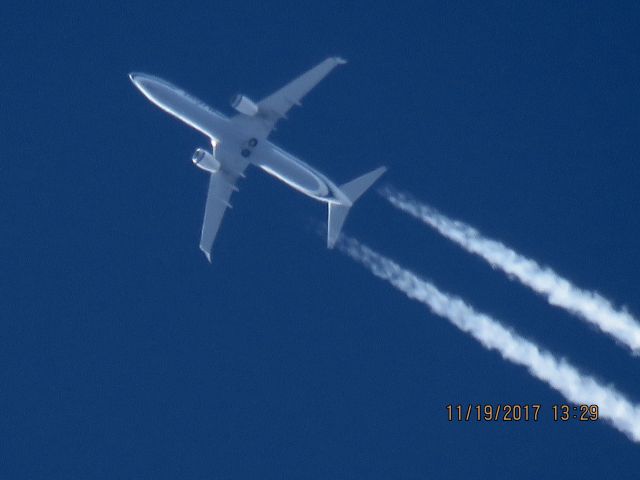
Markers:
{"x": 244, "y": 105}
{"x": 206, "y": 161}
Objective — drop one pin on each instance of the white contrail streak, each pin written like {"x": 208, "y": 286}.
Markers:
{"x": 557, "y": 373}
{"x": 590, "y": 306}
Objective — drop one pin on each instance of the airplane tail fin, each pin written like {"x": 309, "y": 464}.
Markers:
{"x": 353, "y": 190}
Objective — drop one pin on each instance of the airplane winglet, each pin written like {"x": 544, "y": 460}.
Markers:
{"x": 206, "y": 254}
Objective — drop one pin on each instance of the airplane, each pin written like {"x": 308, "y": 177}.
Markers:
{"x": 241, "y": 140}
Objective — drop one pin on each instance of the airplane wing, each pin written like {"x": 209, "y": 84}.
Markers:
{"x": 221, "y": 186}
{"x": 275, "y": 106}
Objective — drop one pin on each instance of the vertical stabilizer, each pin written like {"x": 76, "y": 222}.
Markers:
{"x": 353, "y": 190}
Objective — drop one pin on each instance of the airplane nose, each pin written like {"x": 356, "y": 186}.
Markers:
{"x": 147, "y": 84}
{"x": 140, "y": 80}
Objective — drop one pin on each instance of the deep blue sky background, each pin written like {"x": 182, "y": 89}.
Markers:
{"x": 124, "y": 354}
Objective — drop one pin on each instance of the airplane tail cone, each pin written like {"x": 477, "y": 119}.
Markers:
{"x": 353, "y": 190}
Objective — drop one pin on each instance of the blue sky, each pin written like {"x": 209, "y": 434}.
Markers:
{"x": 126, "y": 355}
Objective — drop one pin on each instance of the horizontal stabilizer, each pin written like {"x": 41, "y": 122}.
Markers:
{"x": 337, "y": 216}
{"x": 353, "y": 190}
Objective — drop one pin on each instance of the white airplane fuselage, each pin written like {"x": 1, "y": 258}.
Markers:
{"x": 234, "y": 139}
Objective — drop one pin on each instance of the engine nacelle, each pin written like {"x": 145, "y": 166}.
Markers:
{"x": 204, "y": 160}
{"x": 244, "y": 105}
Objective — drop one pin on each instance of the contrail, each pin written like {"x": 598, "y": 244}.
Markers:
{"x": 590, "y": 306}
{"x": 575, "y": 386}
